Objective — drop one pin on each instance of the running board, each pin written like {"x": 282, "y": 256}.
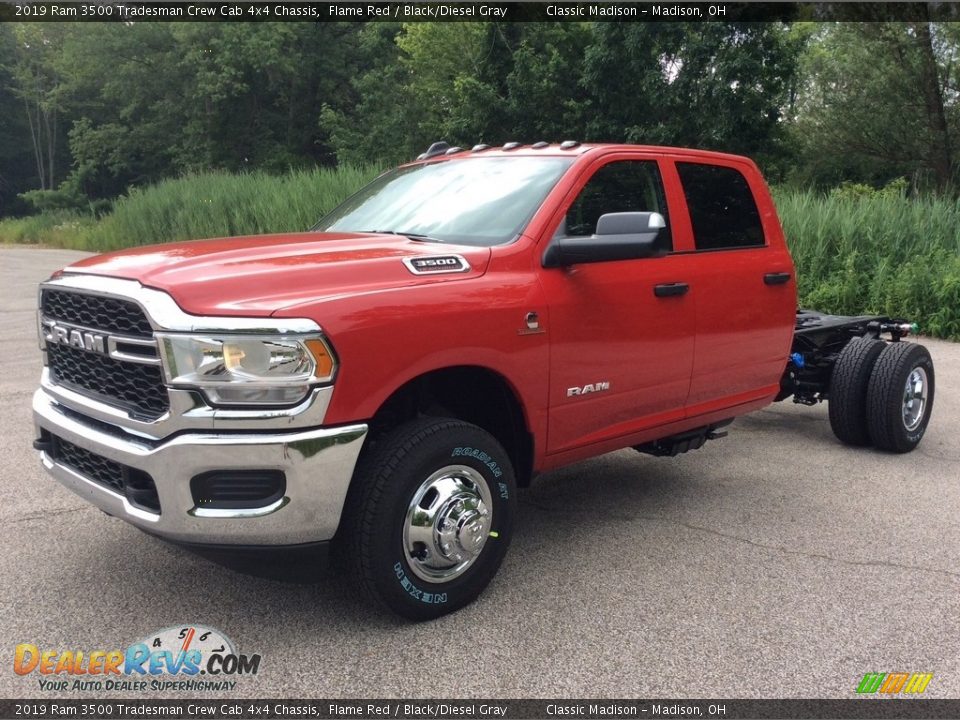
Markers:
{"x": 685, "y": 441}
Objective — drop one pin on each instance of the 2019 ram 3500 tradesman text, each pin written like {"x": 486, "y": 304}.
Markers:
{"x": 387, "y": 380}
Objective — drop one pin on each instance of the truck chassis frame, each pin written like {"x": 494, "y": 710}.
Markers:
{"x": 818, "y": 340}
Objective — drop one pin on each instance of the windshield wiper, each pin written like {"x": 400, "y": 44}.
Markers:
{"x": 416, "y": 237}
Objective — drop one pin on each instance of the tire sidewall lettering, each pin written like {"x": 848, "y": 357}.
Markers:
{"x": 415, "y": 592}
{"x": 482, "y": 457}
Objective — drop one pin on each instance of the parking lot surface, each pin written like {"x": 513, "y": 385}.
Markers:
{"x": 773, "y": 563}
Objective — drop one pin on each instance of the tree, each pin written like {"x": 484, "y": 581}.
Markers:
{"x": 714, "y": 85}
{"x": 37, "y": 84}
{"x": 18, "y": 169}
{"x": 461, "y": 82}
{"x": 879, "y": 101}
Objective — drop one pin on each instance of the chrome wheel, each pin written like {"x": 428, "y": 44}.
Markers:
{"x": 915, "y": 398}
{"x": 447, "y": 524}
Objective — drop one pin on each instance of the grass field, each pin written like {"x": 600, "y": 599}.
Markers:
{"x": 856, "y": 252}
{"x": 198, "y": 206}
{"x": 883, "y": 254}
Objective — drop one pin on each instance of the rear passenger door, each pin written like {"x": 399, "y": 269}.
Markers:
{"x": 743, "y": 283}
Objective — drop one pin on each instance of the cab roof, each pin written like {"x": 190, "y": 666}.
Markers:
{"x": 441, "y": 150}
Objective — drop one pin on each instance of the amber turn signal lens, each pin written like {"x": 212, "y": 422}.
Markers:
{"x": 324, "y": 358}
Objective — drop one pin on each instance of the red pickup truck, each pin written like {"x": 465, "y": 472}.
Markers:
{"x": 389, "y": 379}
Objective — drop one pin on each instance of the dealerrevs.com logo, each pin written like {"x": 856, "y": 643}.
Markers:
{"x": 187, "y": 657}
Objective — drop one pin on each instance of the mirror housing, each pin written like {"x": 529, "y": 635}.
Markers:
{"x": 619, "y": 236}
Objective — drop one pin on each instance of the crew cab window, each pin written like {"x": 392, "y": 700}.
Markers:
{"x": 722, "y": 209}
{"x": 621, "y": 186}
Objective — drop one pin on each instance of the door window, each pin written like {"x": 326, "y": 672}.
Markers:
{"x": 621, "y": 186}
{"x": 722, "y": 209}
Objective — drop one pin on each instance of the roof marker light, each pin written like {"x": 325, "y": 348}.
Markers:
{"x": 438, "y": 148}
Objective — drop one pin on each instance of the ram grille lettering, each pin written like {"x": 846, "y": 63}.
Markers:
{"x": 80, "y": 339}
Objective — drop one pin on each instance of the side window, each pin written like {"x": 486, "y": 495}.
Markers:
{"x": 722, "y": 209}
{"x": 621, "y": 186}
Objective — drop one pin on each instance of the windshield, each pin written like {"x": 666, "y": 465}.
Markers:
{"x": 480, "y": 201}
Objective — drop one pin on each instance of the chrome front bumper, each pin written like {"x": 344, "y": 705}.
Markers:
{"x": 318, "y": 465}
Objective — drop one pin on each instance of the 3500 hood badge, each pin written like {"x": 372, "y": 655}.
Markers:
{"x": 437, "y": 264}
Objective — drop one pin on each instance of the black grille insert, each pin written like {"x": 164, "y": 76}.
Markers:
{"x": 121, "y": 317}
{"x": 235, "y": 489}
{"x": 137, "y": 486}
{"x": 135, "y": 387}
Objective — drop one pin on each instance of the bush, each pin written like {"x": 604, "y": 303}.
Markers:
{"x": 860, "y": 251}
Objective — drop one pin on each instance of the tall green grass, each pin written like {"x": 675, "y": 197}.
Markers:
{"x": 856, "y": 252}
{"x": 199, "y": 206}
{"x": 56, "y": 229}
{"x": 221, "y": 205}
{"x": 880, "y": 253}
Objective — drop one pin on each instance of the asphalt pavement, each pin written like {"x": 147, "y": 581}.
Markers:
{"x": 773, "y": 563}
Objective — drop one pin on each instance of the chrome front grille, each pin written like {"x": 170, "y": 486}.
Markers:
{"x": 136, "y": 387}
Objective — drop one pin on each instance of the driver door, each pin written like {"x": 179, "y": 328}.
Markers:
{"x": 621, "y": 344}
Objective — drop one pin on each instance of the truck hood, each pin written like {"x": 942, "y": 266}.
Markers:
{"x": 259, "y": 275}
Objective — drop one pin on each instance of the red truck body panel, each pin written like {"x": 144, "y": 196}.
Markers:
{"x": 672, "y": 363}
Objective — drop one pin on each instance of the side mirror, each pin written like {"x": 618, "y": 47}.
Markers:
{"x": 619, "y": 236}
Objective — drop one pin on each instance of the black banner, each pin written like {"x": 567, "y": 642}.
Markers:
{"x": 66, "y": 11}
{"x": 875, "y": 707}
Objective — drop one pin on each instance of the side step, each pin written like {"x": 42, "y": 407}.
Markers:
{"x": 684, "y": 442}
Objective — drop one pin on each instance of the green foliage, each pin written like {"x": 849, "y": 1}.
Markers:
{"x": 896, "y": 188}
{"x": 120, "y": 104}
{"x": 619, "y": 82}
{"x": 709, "y": 85}
{"x": 878, "y": 101}
{"x": 198, "y": 206}
{"x": 859, "y": 250}
{"x": 54, "y": 200}
{"x": 222, "y": 205}
{"x": 52, "y": 229}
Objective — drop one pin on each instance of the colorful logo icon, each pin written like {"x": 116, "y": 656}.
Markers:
{"x": 894, "y": 683}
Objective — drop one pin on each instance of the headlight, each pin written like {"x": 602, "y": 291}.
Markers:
{"x": 247, "y": 369}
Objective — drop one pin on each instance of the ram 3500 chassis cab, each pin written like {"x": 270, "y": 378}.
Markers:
{"x": 387, "y": 380}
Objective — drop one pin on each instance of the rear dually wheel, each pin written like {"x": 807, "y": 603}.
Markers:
{"x": 900, "y": 397}
{"x": 848, "y": 390}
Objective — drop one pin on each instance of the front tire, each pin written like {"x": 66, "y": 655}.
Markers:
{"x": 900, "y": 397}
{"x": 430, "y": 517}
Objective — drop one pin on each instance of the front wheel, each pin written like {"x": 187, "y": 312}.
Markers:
{"x": 430, "y": 517}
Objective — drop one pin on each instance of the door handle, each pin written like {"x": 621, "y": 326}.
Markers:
{"x": 777, "y": 278}
{"x": 670, "y": 289}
